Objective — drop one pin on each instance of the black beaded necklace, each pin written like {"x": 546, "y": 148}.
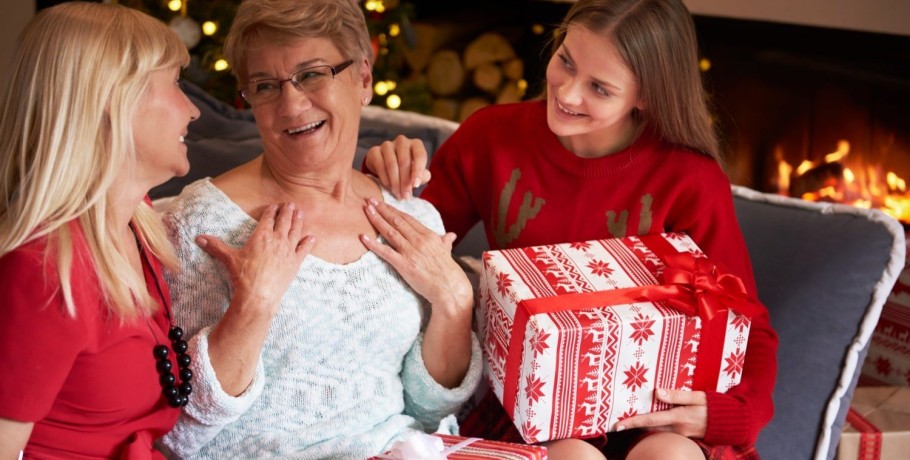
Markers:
{"x": 177, "y": 394}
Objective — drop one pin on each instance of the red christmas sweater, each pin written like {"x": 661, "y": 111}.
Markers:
{"x": 505, "y": 167}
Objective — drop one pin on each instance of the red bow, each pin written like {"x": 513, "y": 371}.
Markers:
{"x": 709, "y": 289}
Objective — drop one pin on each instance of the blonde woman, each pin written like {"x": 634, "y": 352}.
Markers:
{"x": 93, "y": 365}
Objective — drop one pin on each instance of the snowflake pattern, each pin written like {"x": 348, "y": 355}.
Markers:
{"x": 740, "y": 322}
{"x": 635, "y": 376}
{"x": 642, "y": 329}
{"x": 600, "y": 268}
{"x": 581, "y": 246}
{"x": 883, "y": 366}
{"x": 533, "y": 388}
{"x": 627, "y": 414}
{"x": 531, "y": 432}
{"x": 503, "y": 283}
{"x": 734, "y": 363}
{"x": 538, "y": 342}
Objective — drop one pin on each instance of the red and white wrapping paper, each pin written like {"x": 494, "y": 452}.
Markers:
{"x": 442, "y": 446}
{"x": 888, "y": 361}
{"x": 578, "y": 336}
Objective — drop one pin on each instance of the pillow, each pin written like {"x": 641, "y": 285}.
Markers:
{"x": 824, "y": 271}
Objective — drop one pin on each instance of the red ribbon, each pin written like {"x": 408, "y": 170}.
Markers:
{"x": 691, "y": 285}
{"x": 870, "y": 437}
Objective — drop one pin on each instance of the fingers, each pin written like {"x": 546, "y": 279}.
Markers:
{"x": 688, "y": 417}
{"x": 682, "y": 398}
{"x": 403, "y": 164}
{"x": 214, "y": 247}
{"x": 398, "y": 228}
{"x": 449, "y": 240}
{"x": 374, "y": 163}
{"x": 285, "y": 217}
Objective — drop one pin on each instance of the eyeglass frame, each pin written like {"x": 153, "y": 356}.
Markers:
{"x": 336, "y": 69}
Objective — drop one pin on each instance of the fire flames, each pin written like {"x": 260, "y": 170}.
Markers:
{"x": 830, "y": 180}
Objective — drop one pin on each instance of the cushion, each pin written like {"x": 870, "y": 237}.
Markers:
{"x": 824, "y": 271}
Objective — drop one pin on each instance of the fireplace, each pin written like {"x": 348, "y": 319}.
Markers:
{"x": 811, "y": 112}
{"x": 785, "y": 96}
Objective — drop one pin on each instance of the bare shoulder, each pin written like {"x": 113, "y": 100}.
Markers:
{"x": 242, "y": 185}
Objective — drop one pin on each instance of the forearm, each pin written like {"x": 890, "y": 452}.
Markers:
{"x": 235, "y": 345}
{"x": 15, "y": 436}
{"x": 446, "y": 348}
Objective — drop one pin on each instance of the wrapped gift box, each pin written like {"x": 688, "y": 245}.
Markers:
{"x": 888, "y": 361}
{"x": 878, "y": 425}
{"x": 461, "y": 448}
{"x": 578, "y": 336}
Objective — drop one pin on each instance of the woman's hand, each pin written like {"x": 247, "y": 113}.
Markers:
{"x": 688, "y": 418}
{"x": 424, "y": 259}
{"x": 260, "y": 273}
{"x": 400, "y": 165}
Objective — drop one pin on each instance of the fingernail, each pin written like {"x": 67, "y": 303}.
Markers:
{"x": 202, "y": 242}
{"x": 417, "y": 183}
{"x": 365, "y": 238}
{"x": 290, "y": 206}
{"x": 407, "y": 195}
{"x": 620, "y": 427}
{"x": 373, "y": 201}
{"x": 371, "y": 209}
{"x": 662, "y": 392}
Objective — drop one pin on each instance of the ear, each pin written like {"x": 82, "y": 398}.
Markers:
{"x": 366, "y": 78}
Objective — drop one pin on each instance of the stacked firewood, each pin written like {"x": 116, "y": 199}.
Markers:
{"x": 487, "y": 70}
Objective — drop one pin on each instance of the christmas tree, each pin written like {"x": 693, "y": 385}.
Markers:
{"x": 203, "y": 26}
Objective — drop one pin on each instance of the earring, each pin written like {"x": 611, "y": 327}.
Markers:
{"x": 366, "y": 100}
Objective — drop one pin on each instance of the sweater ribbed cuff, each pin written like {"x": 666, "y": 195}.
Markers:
{"x": 729, "y": 421}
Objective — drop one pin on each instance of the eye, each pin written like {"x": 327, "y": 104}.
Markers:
{"x": 310, "y": 74}
{"x": 264, "y": 86}
{"x": 565, "y": 61}
{"x": 600, "y": 90}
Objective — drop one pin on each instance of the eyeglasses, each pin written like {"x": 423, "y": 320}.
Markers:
{"x": 308, "y": 80}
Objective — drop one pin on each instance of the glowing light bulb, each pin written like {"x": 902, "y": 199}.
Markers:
{"x": 209, "y": 28}
{"x": 393, "y": 101}
{"x": 221, "y": 65}
{"x": 704, "y": 64}
{"x": 381, "y": 88}
{"x": 174, "y": 5}
{"x": 394, "y": 30}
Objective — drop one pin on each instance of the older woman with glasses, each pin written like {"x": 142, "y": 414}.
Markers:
{"x": 372, "y": 340}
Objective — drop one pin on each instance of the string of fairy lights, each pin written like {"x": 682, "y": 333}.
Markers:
{"x": 202, "y": 26}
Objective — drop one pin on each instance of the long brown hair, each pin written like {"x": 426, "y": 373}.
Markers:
{"x": 656, "y": 39}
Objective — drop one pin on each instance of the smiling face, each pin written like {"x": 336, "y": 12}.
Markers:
{"x": 590, "y": 95}
{"x": 303, "y": 129}
{"x": 159, "y": 127}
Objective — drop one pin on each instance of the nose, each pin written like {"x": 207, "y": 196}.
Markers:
{"x": 570, "y": 91}
{"x": 291, "y": 99}
{"x": 194, "y": 111}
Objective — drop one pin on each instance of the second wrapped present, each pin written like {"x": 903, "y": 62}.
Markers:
{"x": 578, "y": 336}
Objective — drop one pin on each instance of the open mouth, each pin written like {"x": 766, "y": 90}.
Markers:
{"x": 565, "y": 110}
{"x": 306, "y": 129}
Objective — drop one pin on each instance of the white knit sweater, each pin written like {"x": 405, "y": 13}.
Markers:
{"x": 341, "y": 374}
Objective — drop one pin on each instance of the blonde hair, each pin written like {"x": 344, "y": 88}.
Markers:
{"x": 656, "y": 39}
{"x": 75, "y": 80}
{"x": 341, "y": 21}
